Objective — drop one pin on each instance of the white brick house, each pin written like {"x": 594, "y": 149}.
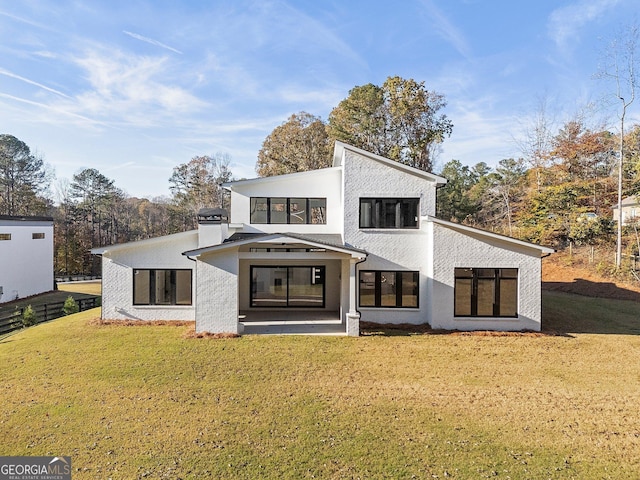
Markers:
{"x": 26, "y": 256}
{"x": 355, "y": 242}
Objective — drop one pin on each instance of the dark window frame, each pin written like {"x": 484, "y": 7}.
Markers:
{"x": 378, "y": 215}
{"x": 153, "y": 301}
{"x": 398, "y": 283}
{"x": 308, "y": 215}
{"x": 37, "y": 236}
{"x": 322, "y": 268}
{"x": 497, "y": 278}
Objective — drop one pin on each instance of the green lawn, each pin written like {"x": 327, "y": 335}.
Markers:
{"x": 145, "y": 402}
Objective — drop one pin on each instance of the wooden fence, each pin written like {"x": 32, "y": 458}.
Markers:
{"x": 44, "y": 313}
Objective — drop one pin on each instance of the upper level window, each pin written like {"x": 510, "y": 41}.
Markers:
{"x": 5, "y": 236}
{"x": 282, "y": 210}
{"x": 389, "y": 212}
{"x": 486, "y": 292}
{"x": 37, "y": 236}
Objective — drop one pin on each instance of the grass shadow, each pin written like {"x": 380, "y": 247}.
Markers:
{"x": 567, "y": 313}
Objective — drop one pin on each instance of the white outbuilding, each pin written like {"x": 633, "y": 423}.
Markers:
{"x": 26, "y": 256}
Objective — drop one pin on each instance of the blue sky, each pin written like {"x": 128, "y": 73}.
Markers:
{"x": 136, "y": 88}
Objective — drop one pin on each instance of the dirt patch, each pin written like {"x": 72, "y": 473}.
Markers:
{"x": 572, "y": 274}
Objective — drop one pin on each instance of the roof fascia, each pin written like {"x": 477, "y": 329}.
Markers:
{"x": 141, "y": 243}
{"x": 271, "y": 238}
{"x": 338, "y": 155}
{"x": 277, "y": 178}
{"x": 495, "y": 236}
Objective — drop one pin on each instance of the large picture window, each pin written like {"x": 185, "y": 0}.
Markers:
{"x": 389, "y": 212}
{"x": 486, "y": 292}
{"x": 280, "y": 210}
{"x": 161, "y": 287}
{"x": 289, "y": 286}
{"x": 388, "y": 289}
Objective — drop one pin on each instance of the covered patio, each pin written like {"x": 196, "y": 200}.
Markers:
{"x": 284, "y": 322}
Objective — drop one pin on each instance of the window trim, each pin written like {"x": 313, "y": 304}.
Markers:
{"x": 378, "y": 289}
{"x": 496, "y": 291}
{"x": 287, "y": 267}
{"x": 174, "y": 286}
{"x": 307, "y": 200}
{"x": 376, "y": 219}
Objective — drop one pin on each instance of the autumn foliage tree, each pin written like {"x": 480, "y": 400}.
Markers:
{"x": 299, "y": 144}
{"x": 400, "y": 120}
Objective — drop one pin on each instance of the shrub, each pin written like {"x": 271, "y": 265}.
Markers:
{"x": 28, "y": 316}
{"x": 70, "y": 306}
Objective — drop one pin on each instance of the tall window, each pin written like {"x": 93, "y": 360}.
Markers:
{"x": 287, "y": 286}
{"x": 389, "y": 212}
{"x": 486, "y": 292}
{"x": 388, "y": 289}
{"x": 161, "y": 287}
{"x": 281, "y": 210}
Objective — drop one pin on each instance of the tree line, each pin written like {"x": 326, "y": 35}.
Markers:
{"x": 560, "y": 191}
{"x": 91, "y": 211}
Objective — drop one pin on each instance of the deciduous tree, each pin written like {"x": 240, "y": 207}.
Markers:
{"x": 196, "y": 184}
{"x": 400, "y": 120}
{"x": 299, "y": 144}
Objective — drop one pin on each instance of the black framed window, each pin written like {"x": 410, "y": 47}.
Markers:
{"x": 288, "y": 286}
{"x": 379, "y": 288}
{"x": 389, "y": 212}
{"x": 37, "y": 236}
{"x": 161, "y": 287}
{"x": 486, "y": 292}
{"x": 281, "y": 210}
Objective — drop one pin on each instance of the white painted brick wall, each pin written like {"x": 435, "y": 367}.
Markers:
{"x": 390, "y": 249}
{"x": 455, "y": 249}
{"x": 117, "y": 277}
{"x": 217, "y": 292}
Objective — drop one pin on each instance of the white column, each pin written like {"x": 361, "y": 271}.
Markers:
{"x": 353, "y": 317}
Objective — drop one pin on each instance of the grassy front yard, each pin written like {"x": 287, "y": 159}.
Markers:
{"x": 145, "y": 402}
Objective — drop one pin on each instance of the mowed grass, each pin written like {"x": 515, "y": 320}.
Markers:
{"x": 145, "y": 402}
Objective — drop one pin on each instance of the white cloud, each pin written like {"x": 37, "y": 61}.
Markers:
{"x": 132, "y": 88}
{"x": 565, "y": 23}
{"x": 449, "y": 32}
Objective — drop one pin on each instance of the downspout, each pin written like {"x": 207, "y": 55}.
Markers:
{"x": 358, "y": 286}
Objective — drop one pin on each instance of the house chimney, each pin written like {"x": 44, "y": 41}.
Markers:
{"x": 213, "y": 226}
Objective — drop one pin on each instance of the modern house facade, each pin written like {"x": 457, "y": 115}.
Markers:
{"x": 26, "y": 256}
{"x": 358, "y": 241}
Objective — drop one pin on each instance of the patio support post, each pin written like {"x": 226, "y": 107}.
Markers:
{"x": 353, "y": 316}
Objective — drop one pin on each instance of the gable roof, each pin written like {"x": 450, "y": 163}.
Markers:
{"x": 340, "y": 148}
{"x": 494, "y": 236}
{"x": 330, "y": 242}
{"x": 143, "y": 243}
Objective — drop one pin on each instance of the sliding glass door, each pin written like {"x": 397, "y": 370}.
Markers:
{"x": 288, "y": 286}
